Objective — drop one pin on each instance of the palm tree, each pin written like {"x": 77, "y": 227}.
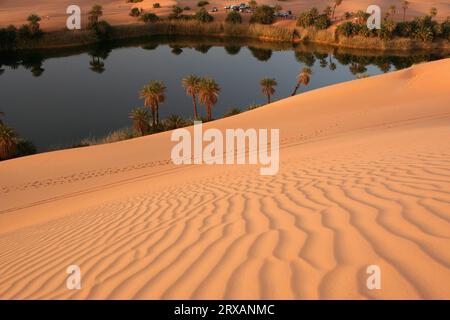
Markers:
{"x": 191, "y": 84}
{"x": 336, "y": 4}
{"x": 268, "y": 87}
{"x": 405, "y": 5}
{"x": 2, "y": 114}
{"x": 95, "y": 13}
{"x": 392, "y": 11}
{"x": 174, "y": 122}
{"x": 153, "y": 94}
{"x": 8, "y": 142}
{"x": 303, "y": 78}
{"x": 140, "y": 119}
{"x": 33, "y": 23}
{"x": 433, "y": 12}
{"x": 208, "y": 92}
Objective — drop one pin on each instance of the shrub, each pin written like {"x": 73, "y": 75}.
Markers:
{"x": 232, "y": 112}
{"x": 404, "y": 29}
{"x": 234, "y": 17}
{"x": 94, "y": 16}
{"x": 25, "y": 148}
{"x": 322, "y": 22}
{"x": 156, "y": 5}
{"x": 186, "y": 17}
{"x": 387, "y": 29}
{"x": 313, "y": 18}
{"x": 346, "y": 29}
{"x": 103, "y": 30}
{"x": 424, "y": 28}
{"x": 134, "y": 1}
{"x": 31, "y": 30}
{"x": 187, "y": 8}
{"x": 8, "y": 37}
{"x": 149, "y": 17}
{"x": 263, "y": 15}
{"x": 424, "y": 34}
{"x": 202, "y": 3}
{"x": 445, "y": 27}
{"x": 135, "y": 12}
{"x": 177, "y": 10}
{"x": 253, "y": 106}
{"x": 204, "y": 16}
{"x": 307, "y": 19}
{"x": 174, "y": 122}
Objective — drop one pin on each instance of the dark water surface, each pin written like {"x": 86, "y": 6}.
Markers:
{"x": 55, "y": 98}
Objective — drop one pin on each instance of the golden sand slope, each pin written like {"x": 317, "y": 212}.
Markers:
{"x": 364, "y": 179}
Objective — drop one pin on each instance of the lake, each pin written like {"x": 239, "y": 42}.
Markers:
{"x": 55, "y": 98}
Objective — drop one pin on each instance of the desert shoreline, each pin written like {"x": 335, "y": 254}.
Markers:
{"x": 83, "y": 38}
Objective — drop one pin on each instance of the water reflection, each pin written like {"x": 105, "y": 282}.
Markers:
{"x": 237, "y": 66}
{"x": 357, "y": 61}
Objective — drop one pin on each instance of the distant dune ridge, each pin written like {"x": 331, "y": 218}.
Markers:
{"x": 364, "y": 180}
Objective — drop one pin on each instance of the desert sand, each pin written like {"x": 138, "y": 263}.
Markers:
{"x": 364, "y": 180}
{"x": 117, "y": 11}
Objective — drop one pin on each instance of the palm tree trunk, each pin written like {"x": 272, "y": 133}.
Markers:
{"x": 194, "y": 101}
{"x": 295, "y": 89}
{"x": 208, "y": 109}
{"x": 153, "y": 117}
{"x": 404, "y": 14}
{"x": 157, "y": 113}
{"x": 334, "y": 9}
{"x": 268, "y": 98}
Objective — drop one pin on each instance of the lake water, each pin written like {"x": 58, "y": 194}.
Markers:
{"x": 55, "y": 98}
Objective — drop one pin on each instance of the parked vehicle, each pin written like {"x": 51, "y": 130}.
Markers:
{"x": 214, "y": 9}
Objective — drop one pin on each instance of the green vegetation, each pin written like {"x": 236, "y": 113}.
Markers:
{"x": 233, "y": 17}
{"x": 208, "y": 93}
{"x": 135, "y": 12}
{"x": 423, "y": 29}
{"x": 263, "y": 15}
{"x": 203, "y": 16}
{"x": 268, "y": 87}
{"x": 153, "y": 93}
{"x": 11, "y": 145}
{"x": 232, "y": 112}
{"x": 313, "y": 18}
{"x": 303, "y": 78}
{"x": 192, "y": 85}
{"x": 149, "y": 17}
{"x": 101, "y": 28}
{"x": 8, "y": 38}
{"x": 141, "y": 121}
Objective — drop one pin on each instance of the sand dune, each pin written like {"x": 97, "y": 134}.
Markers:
{"x": 364, "y": 180}
{"x": 117, "y": 11}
